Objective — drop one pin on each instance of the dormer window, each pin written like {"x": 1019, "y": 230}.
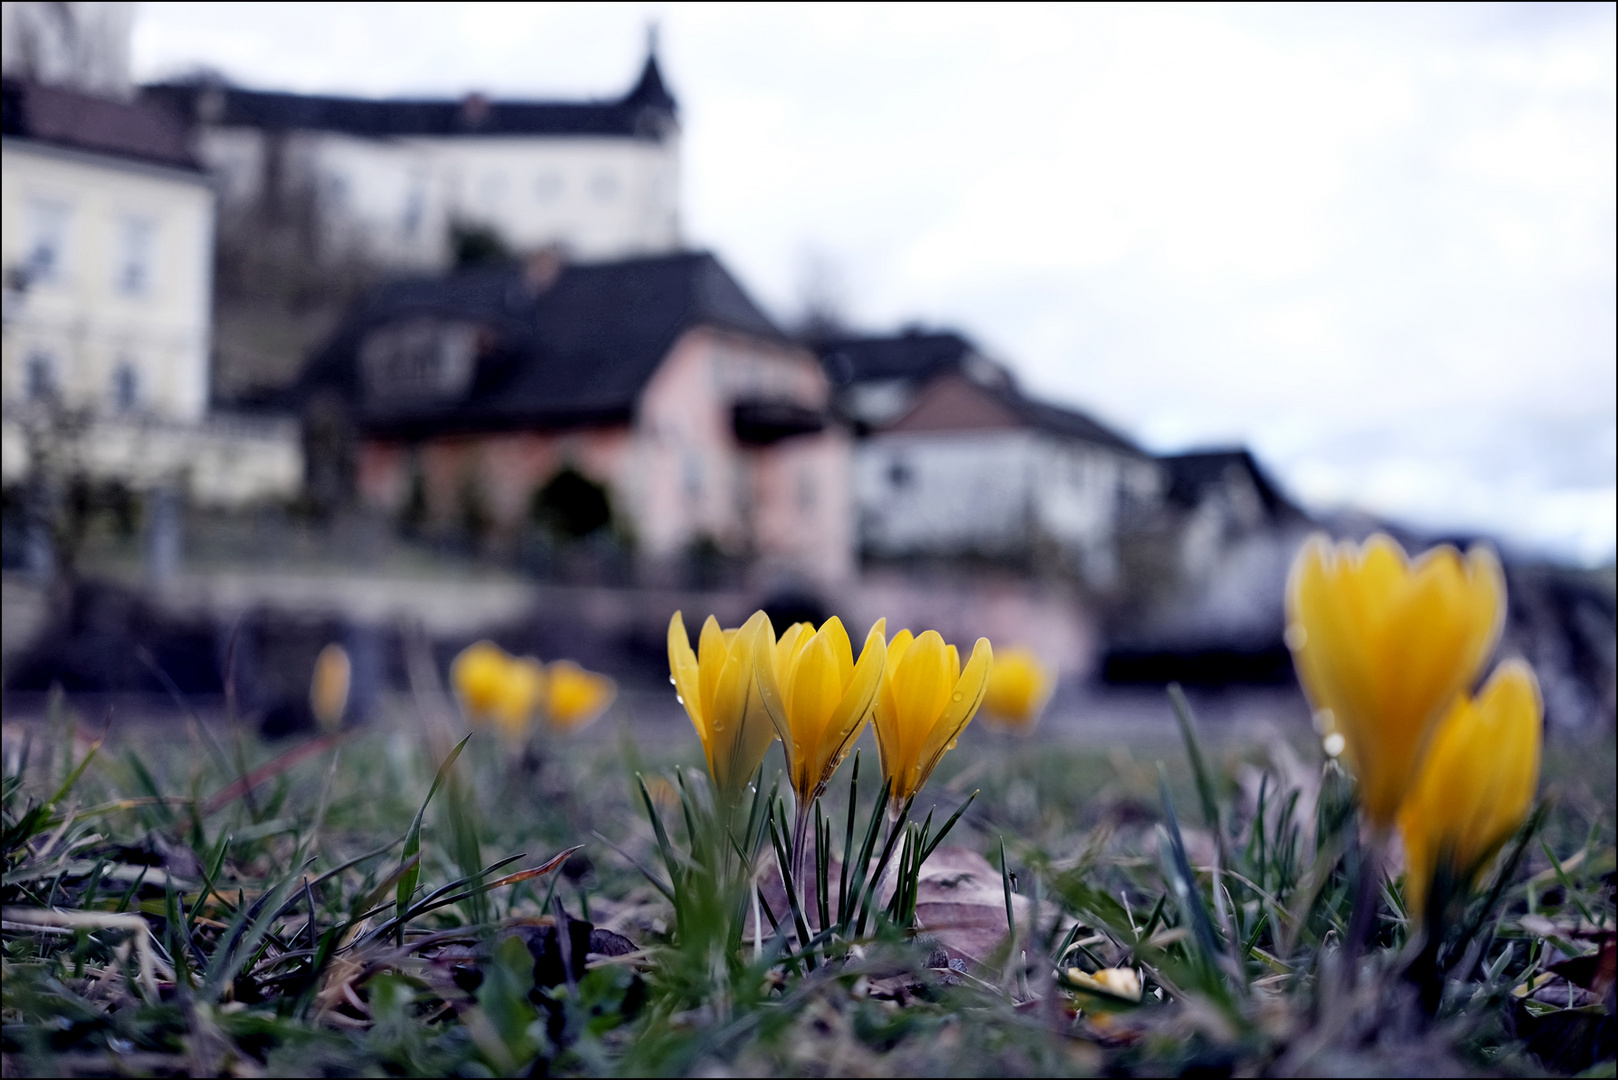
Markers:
{"x": 418, "y": 361}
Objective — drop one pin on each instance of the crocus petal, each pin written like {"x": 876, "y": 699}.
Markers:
{"x": 965, "y": 698}
{"x": 328, "y": 688}
{"x": 749, "y": 729}
{"x": 857, "y": 703}
{"x": 1477, "y": 782}
{"x": 687, "y": 676}
{"x": 711, "y": 653}
{"x": 811, "y": 699}
{"x": 1384, "y": 645}
{"x": 574, "y": 697}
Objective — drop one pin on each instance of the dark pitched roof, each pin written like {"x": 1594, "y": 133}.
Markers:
{"x": 1068, "y": 423}
{"x": 913, "y": 355}
{"x": 647, "y": 111}
{"x": 918, "y": 356}
{"x": 68, "y": 118}
{"x": 1191, "y": 475}
{"x": 580, "y": 352}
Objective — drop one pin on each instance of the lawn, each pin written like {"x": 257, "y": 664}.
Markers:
{"x": 182, "y": 898}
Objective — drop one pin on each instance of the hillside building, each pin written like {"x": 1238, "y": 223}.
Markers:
{"x": 107, "y": 254}
{"x": 519, "y": 388}
{"x": 392, "y": 181}
{"x": 955, "y": 460}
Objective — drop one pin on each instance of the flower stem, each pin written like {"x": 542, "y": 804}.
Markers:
{"x": 1367, "y": 903}
{"x": 800, "y": 846}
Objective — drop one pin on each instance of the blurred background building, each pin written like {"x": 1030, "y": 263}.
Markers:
{"x": 287, "y": 368}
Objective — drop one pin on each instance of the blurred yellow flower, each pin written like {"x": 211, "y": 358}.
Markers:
{"x": 496, "y": 686}
{"x": 328, "y": 688}
{"x": 924, "y": 703}
{"x": 1383, "y": 645}
{"x": 1119, "y": 982}
{"x": 1019, "y": 686}
{"x": 719, "y": 689}
{"x": 819, "y": 698}
{"x": 1476, "y": 785}
{"x": 575, "y": 697}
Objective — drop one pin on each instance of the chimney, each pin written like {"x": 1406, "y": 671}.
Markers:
{"x": 474, "y": 110}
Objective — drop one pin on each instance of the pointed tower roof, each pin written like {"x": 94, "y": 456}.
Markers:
{"x": 650, "y": 92}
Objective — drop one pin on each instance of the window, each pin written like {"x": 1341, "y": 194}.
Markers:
{"x": 415, "y": 209}
{"x": 337, "y": 191}
{"x": 547, "y": 186}
{"x": 136, "y": 238}
{"x": 604, "y": 186}
{"x": 47, "y": 240}
{"x": 126, "y": 387}
{"x": 418, "y": 360}
{"x": 41, "y": 376}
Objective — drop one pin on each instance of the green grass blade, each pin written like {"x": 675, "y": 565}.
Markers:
{"x": 932, "y": 844}
{"x": 1184, "y": 880}
{"x": 409, "y": 861}
{"x": 1193, "y": 750}
{"x": 1005, "y": 883}
{"x": 783, "y": 865}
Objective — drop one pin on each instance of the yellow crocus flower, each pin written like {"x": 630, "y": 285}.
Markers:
{"x": 1477, "y": 783}
{"x": 1383, "y": 645}
{"x": 1019, "y": 686}
{"x": 495, "y": 686}
{"x": 575, "y": 698}
{"x": 1119, "y": 982}
{"x": 924, "y": 703}
{"x": 820, "y": 699}
{"x": 328, "y": 688}
{"x": 719, "y": 689}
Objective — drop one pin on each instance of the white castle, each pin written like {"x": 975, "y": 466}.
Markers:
{"x": 392, "y": 180}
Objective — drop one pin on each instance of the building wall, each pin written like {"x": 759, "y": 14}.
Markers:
{"x": 129, "y": 288}
{"x": 393, "y": 199}
{"x": 994, "y": 492}
{"x": 676, "y": 476}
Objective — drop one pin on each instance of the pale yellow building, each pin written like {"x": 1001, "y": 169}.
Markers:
{"x": 106, "y": 252}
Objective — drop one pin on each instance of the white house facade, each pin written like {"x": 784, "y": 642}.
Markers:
{"x": 956, "y": 461}
{"x": 106, "y": 244}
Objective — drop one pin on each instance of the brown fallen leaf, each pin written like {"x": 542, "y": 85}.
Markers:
{"x": 961, "y": 902}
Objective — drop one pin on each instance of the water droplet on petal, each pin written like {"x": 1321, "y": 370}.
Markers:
{"x": 1296, "y": 637}
{"x": 1333, "y": 744}
{"x": 951, "y": 745}
{"x": 680, "y": 699}
{"x": 958, "y": 696}
{"x": 671, "y": 679}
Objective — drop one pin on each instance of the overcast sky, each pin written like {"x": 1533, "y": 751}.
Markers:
{"x": 1374, "y": 243}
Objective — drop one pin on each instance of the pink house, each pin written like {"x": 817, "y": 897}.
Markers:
{"x": 656, "y": 379}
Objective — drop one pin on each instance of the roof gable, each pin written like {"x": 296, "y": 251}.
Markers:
{"x": 67, "y": 118}
{"x": 951, "y": 403}
{"x": 911, "y": 356}
{"x": 1193, "y": 475}
{"x": 954, "y": 402}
